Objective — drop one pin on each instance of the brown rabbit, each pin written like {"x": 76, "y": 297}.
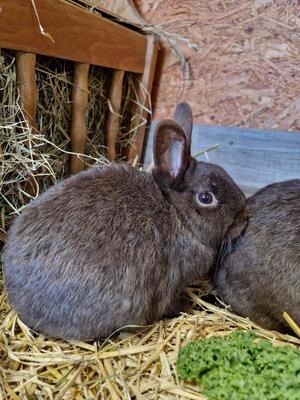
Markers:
{"x": 113, "y": 246}
{"x": 259, "y": 275}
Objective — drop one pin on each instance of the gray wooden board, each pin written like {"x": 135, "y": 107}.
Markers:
{"x": 254, "y": 158}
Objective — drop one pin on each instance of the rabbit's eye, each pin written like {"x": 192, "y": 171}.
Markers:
{"x": 207, "y": 199}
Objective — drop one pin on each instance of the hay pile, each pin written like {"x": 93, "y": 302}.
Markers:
{"x": 46, "y": 156}
{"x": 138, "y": 365}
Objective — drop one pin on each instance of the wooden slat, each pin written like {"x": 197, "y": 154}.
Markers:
{"x": 25, "y": 65}
{"x": 136, "y": 149}
{"x": 78, "y": 34}
{"x": 113, "y": 118}
{"x": 254, "y": 158}
{"x": 78, "y": 121}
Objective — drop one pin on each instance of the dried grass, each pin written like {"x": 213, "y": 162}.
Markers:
{"x": 44, "y": 153}
{"x": 138, "y": 365}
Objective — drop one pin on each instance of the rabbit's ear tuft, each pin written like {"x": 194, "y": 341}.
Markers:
{"x": 171, "y": 153}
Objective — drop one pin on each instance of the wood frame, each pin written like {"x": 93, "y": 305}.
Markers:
{"x": 113, "y": 120}
{"x": 25, "y": 63}
{"x": 77, "y": 34}
{"x": 79, "y": 105}
{"x": 73, "y": 33}
{"x": 135, "y": 151}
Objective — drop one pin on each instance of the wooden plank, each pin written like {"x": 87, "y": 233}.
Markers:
{"x": 77, "y": 34}
{"x": 113, "y": 118}
{"x": 25, "y": 65}
{"x": 254, "y": 158}
{"x": 136, "y": 149}
{"x": 78, "y": 122}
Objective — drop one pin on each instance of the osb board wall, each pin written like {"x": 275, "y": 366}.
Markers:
{"x": 245, "y": 69}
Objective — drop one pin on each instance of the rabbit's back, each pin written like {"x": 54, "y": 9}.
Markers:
{"x": 71, "y": 245}
{"x": 88, "y": 212}
{"x": 260, "y": 277}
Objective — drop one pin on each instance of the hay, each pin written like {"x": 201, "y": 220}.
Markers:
{"x": 138, "y": 365}
{"x": 46, "y": 156}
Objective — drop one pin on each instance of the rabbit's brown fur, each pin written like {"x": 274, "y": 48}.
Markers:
{"x": 260, "y": 274}
{"x": 114, "y": 246}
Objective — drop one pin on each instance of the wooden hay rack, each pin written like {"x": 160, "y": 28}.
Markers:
{"x": 62, "y": 30}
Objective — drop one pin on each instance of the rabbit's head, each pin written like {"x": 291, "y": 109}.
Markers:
{"x": 204, "y": 195}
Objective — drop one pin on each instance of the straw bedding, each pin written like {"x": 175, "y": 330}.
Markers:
{"x": 138, "y": 365}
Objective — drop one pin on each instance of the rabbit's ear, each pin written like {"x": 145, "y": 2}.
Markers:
{"x": 184, "y": 117}
{"x": 239, "y": 224}
{"x": 171, "y": 153}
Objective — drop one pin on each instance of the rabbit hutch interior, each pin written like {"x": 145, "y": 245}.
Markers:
{"x": 199, "y": 102}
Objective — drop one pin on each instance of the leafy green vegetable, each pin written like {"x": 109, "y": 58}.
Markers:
{"x": 241, "y": 367}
